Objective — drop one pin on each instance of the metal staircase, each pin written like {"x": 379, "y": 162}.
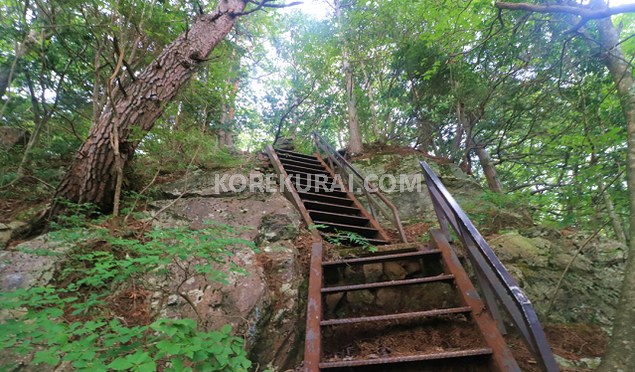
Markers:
{"x": 403, "y": 307}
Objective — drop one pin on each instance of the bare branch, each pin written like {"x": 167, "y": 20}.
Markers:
{"x": 582, "y": 11}
{"x": 262, "y": 4}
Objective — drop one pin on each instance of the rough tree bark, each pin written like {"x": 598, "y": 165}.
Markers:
{"x": 355, "y": 145}
{"x": 493, "y": 182}
{"x": 621, "y": 351}
{"x": 92, "y": 175}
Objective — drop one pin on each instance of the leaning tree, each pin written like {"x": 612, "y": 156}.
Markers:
{"x": 96, "y": 173}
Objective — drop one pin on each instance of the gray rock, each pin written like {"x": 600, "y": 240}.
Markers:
{"x": 331, "y": 301}
{"x": 11, "y": 230}
{"x": 32, "y": 263}
{"x": 263, "y": 303}
{"x": 221, "y": 183}
{"x": 590, "y": 288}
{"x": 360, "y": 298}
{"x": 5, "y": 235}
{"x": 390, "y": 299}
{"x": 274, "y": 227}
{"x": 513, "y": 247}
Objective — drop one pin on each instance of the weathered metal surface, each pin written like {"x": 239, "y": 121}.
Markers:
{"x": 347, "y": 214}
{"x": 348, "y": 169}
{"x": 493, "y": 274}
{"x": 381, "y": 233}
{"x": 313, "y": 338}
{"x": 399, "y": 316}
{"x": 389, "y": 283}
{"x": 381, "y": 258}
{"x": 502, "y": 356}
{"x": 410, "y": 358}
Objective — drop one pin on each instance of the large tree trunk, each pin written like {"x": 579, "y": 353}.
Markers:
{"x": 355, "y": 145}
{"x": 92, "y": 175}
{"x": 355, "y": 137}
{"x": 487, "y": 164}
{"x": 621, "y": 352}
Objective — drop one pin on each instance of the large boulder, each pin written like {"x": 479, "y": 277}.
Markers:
{"x": 514, "y": 248}
{"x": 261, "y": 293}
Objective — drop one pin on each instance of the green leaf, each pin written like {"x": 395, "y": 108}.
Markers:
{"x": 120, "y": 364}
{"x": 169, "y": 347}
{"x": 46, "y": 356}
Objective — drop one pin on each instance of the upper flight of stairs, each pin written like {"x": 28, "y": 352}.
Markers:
{"x": 326, "y": 201}
{"x": 405, "y": 307}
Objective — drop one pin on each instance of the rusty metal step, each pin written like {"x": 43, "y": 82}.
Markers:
{"x": 319, "y": 190}
{"x": 283, "y": 157}
{"x": 329, "y": 207}
{"x": 409, "y": 358}
{"x": 381, "y": 258}
{"x": 389, "y": 283}
{"x": 399, "y": 316}
{"x": 338, "y": 218}
{"x": 287, "y": 161}
{"x": 311, "y": 196}
{"x": 305, "y": 175}
{"x": 311, "y": 176}
{"x": 321, "y": 184}
{"x": 294, "y": 168}
{"x": 366, "y": 232}
{"x": 293, "y": 153}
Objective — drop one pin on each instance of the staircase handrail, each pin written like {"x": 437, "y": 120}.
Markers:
{"x": 491, "y": 275}
{"x": 368, "y": 188}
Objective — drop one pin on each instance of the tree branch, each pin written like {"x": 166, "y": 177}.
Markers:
{"x": 582, "y": 11}
{"x": 264, "y": 4}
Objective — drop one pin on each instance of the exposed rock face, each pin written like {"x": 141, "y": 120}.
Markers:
{"x": 263, "y": 303}
{"x": 21, "y": 268}
{"x": 590, "y": 288}
{"x": 535, "y": 256}
{"x": 221, "y": 183}
{"x": 410, "y": 194}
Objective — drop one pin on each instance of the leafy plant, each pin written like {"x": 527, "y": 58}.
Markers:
{"x": 71, "y": 320}
{"x": 348, "y": 238}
